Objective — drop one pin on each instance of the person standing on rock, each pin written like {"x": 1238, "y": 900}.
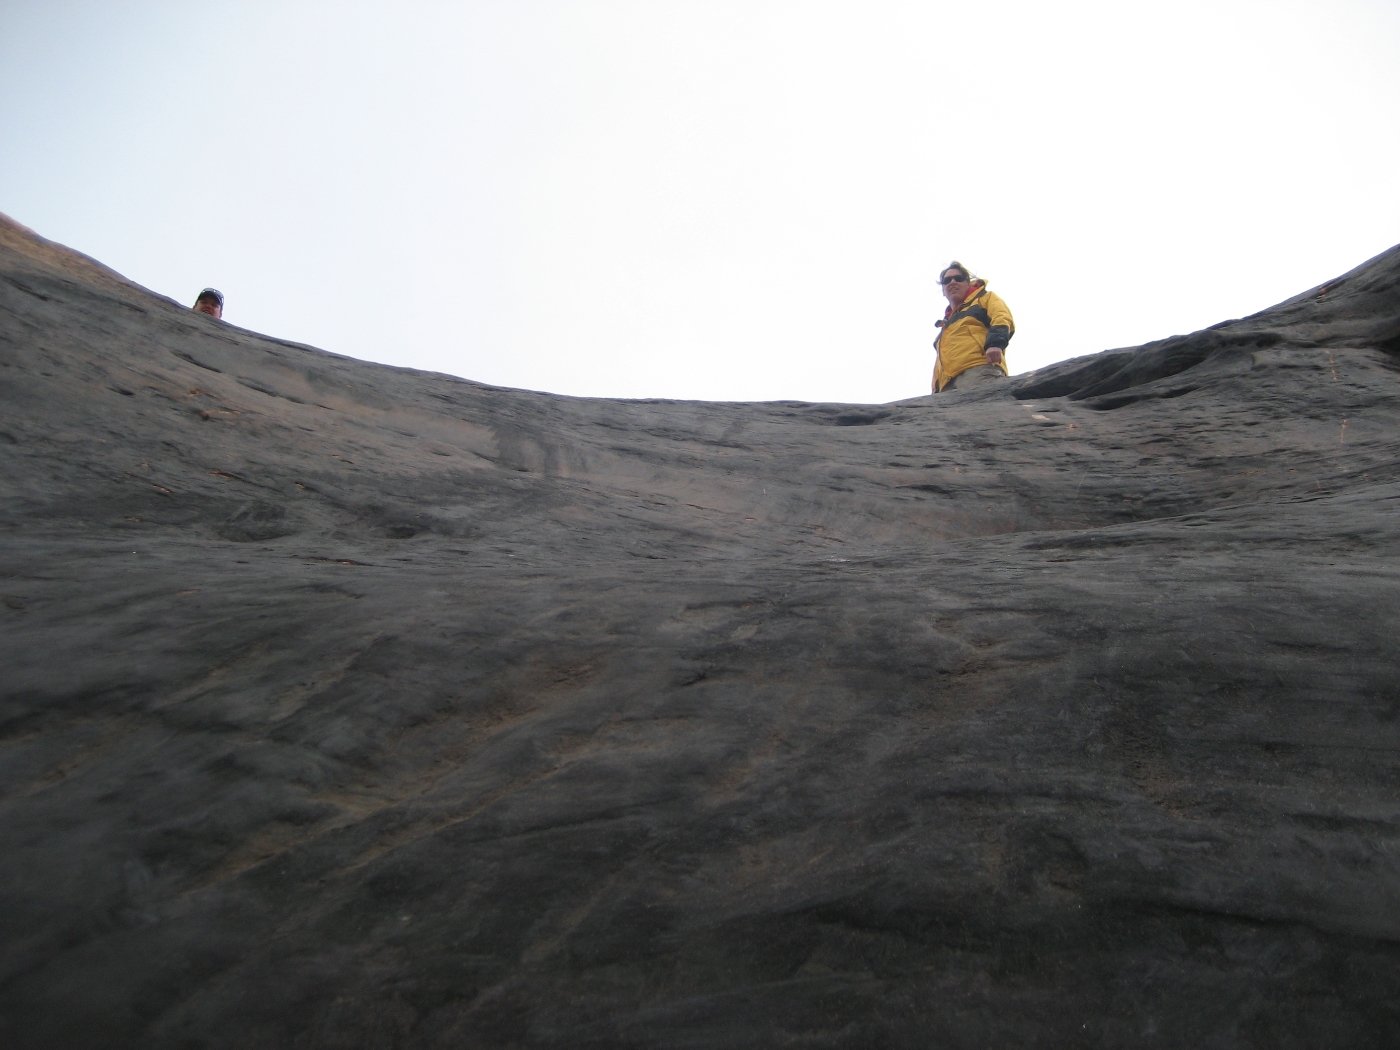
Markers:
{"x": 973, "y": 334}
{"x": 211, "y": 302}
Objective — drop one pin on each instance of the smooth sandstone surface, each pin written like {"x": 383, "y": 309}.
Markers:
{"x": 350, "y": 706}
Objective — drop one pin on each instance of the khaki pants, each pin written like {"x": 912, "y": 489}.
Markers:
{"x": 974, "y": 376}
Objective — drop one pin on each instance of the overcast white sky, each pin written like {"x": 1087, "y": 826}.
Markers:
{"x": 729, "y": 201}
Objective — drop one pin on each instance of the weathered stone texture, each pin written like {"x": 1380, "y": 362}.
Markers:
{"x": 351, "y": 706}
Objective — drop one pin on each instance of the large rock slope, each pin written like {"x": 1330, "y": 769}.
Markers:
{"x": 351, "y": 706}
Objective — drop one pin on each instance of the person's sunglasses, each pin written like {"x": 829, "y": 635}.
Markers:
{"x": 951, "y": 278}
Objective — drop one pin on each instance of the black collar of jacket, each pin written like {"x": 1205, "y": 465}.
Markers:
{"x": 969, "y": 308}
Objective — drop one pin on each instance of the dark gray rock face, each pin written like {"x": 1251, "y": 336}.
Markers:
{"x": 348, "y": 706}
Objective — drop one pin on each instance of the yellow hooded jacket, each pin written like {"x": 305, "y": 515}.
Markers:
{"x": 980, "y": 323}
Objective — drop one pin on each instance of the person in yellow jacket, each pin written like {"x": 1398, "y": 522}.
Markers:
{"x": 973, "y": 334}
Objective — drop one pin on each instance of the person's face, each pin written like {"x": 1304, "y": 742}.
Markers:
{"x": 955, "y": 286}
{"x": 210, "y": 307}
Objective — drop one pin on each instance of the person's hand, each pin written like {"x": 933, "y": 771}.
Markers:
{"x": 994, "y": 356}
